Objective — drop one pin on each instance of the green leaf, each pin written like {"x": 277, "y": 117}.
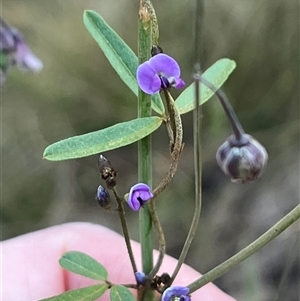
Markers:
{"x": 115, "y": 136}
{"x": 217, "y": 74}
{"x": 121, "y": 293}
{"x": 83, "y": 264}
{"x": 118, "y": 53}
{"x": 88, "y": 293}
{"x": 121, "y": 57}
{"x": 157, "y": 104}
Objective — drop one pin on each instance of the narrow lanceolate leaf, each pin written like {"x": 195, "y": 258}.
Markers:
{"x": 83, "y": 264}
{"x": 121, "y": 57}
{"x": 118, "y": 53}
{"x": 88, "y": 293}
{"x": 121, "y": 293}
{"x": 118, "y": 135}
{"x": 217, "y": 74}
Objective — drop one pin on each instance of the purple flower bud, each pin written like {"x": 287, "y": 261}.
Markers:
{"x": 103, "y": 198}
{"x": 140, "y": 277}
{"x": 161, "y": 71}
{"x": 138, "y": 195}
{"x": 176, "y": 293}
{"x": 242, "y": 160}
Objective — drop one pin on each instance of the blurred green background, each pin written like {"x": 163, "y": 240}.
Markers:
{"x": 78, "y": 91}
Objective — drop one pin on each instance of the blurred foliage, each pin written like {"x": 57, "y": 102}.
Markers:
{"x": 78, "y": 92}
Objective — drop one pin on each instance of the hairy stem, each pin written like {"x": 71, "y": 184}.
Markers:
{"x": 177, "y": 145}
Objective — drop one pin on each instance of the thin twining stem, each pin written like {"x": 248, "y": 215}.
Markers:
{"x": 161, "y": 239}
{"x": 198, "y": 174}
{"x": 175, "y": 132}
{"x": 236, "y": 126}
{"x": 177, "y": 145}
{"x": 264, "y": 239}
{"x": 121, "y": 213}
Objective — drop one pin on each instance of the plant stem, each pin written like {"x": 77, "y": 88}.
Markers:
{"x": 236, "y": 126}
{"x": 264, "y": 239}
{"x": 145, "y": 147}
{"x": 161, "y": 238}
{"x": 121, "y": 213}
{"x": 197, "y": 127}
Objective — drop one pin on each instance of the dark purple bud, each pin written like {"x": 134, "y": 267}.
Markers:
{"x": 138, "y": 195}
{"x": 107, "y": 172}
{"x": 176, "y": 293}
{"x": 140, "y": 277}
{"x": 243, "y": 160}
{"x": 156, "y": 50}
{"x": 103, "y": 198}
{"x": 165, "y": 278}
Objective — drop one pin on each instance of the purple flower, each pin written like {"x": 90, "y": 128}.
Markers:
{"x": 14, "y": 51}
{"x": 173, "y": 293}
{"x": 161, "y": 71}
{"x": 138, "y": 195}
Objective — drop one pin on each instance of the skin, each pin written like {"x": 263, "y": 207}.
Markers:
{"x": 30, "y": 269}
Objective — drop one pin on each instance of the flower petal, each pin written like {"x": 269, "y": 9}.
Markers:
{"x": 147, "y": 79}
{"x": 174, "y": 291}
{"x": 179, "y": 83}
{"x": 162, "y": 63}
{"x": 145, "y": 195}
{"x": 138, "y": 190}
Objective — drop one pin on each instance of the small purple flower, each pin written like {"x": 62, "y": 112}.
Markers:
{"x": 138, "y": 195}
{"x": 161, "y": 71}
{"x": 178, "y": 293}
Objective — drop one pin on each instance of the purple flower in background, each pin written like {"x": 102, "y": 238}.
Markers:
{"x": 14, "y": 51}
{"x": 24, "y": 57}
{"x": 173, "y": 293}
{"x": 160, "y": 72}
{"x": 138, "y": 195}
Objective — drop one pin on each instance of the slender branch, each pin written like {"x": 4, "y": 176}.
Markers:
{"x": 198, "y": 175}
{"x": 236, "y": 126}
{"x": 259, "y": 243}
{"x": 197, "y": 127}
{"x": 121, "y": 213}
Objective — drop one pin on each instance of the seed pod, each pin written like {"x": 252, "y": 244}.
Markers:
{"x": 242, "y": 161}
{"x": 103, "y": 198}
